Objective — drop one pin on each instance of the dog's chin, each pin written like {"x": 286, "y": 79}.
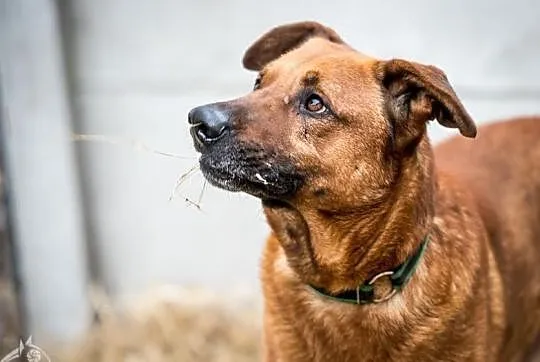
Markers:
{"x": 252, "y": 171}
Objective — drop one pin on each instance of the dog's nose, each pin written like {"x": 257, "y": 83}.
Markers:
{"x": 209, "y": 123}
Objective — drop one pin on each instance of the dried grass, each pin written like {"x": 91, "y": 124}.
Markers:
{"x": 141, "y": 146}
{"x": 175, "y": 325}
{"x": 131, "y": 143}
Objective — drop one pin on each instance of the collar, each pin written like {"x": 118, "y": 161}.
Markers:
{"x": 364, "y": 293}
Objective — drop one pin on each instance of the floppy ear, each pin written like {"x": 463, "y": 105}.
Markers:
{"x": 283, "y": 38}
{"x": 417, "y": 93}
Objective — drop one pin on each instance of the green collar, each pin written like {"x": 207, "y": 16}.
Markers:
{"x": 364, "y": 293}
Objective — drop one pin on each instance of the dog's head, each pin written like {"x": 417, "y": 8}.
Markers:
{"x": 325, "y": 125}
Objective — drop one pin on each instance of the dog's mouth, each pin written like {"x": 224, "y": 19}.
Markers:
{"x": 241, "y": 168}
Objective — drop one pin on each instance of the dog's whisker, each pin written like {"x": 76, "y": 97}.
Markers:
{"x": 135, "y": 144}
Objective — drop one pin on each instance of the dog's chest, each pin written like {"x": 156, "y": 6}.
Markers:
{"x": 324, "y": 331}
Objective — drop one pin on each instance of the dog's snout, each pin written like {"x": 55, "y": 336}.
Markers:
{"x": 209, "y": 123}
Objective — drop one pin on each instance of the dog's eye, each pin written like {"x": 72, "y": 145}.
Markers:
{"x": 257, "y": 84}
{"x": 315, "y": 104}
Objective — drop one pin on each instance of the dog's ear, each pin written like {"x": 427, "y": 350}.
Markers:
{"x": 417, "y": 93}
{"x": 281, "y": 39}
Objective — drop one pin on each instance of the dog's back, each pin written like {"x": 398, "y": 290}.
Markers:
{"x": 501, "y": 169}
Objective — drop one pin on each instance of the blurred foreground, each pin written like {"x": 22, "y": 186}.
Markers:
{"x": 169, "y": 324}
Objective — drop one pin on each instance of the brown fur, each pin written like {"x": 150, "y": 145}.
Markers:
{"x": 373, "y": 189}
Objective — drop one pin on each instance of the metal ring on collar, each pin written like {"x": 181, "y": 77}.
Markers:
{"x": 372, "y": 281}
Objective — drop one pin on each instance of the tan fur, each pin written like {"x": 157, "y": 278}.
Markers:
{"x": 374, "y": 189}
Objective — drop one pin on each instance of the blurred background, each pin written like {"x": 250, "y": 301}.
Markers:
{"x": 104, "y": 254}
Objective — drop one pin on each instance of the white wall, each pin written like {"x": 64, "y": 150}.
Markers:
{"x": 139, "y": 66}
{"x": 41, "y": 181}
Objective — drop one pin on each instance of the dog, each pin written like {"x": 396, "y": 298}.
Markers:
{"x": 382, "y": 248}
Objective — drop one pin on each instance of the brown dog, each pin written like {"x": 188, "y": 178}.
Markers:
{"x": 381, "y": 249}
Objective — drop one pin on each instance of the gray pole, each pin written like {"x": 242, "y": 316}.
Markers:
{"x": 45, "y": 202}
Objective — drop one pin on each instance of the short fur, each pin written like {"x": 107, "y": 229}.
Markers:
{"x": 368, "y": 188}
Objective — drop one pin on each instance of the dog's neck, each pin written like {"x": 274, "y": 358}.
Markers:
{"x": 341, "y": 251}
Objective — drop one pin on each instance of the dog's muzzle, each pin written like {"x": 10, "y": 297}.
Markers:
{"x": 235, "y": 165}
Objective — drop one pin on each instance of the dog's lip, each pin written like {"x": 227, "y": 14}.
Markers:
{"x": 254, "y": 182}
{"x": 274, "y": 203}
{"x": 219, "y": 179}
{"x": 240, "y": 167}
{"x": 232, "y": 183}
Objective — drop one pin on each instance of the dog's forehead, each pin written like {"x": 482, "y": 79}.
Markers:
{"x": 316, "y": 47}
{"x": 324, "y": 46}
{"x": 321, "y": 55}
